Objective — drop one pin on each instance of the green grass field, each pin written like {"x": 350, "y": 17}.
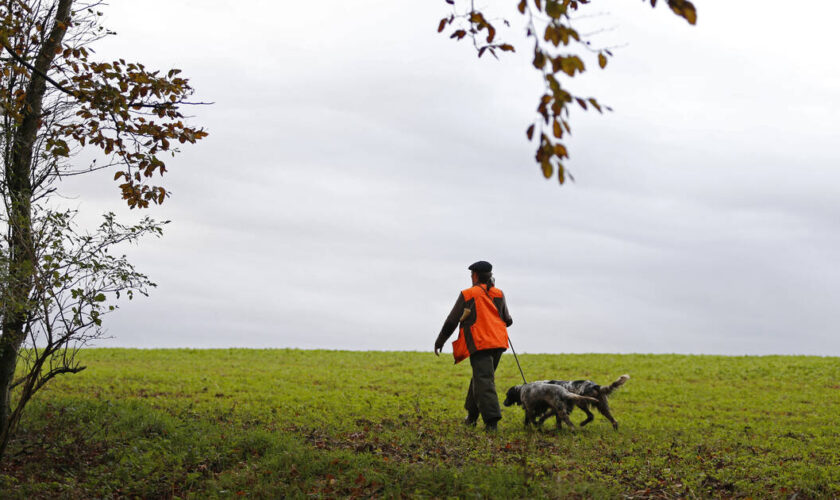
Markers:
{"x": 293, "y": 423}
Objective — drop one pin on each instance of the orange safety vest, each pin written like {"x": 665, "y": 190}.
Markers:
{"x": 481, "y": 327}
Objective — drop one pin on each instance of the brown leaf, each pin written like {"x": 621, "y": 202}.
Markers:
{"x": 547, "y": 169}
{"x": 539, "y": 60}
{"x": 690, "y": 14}
{"x": 554, "y": 10}
{"x": 684, "y": 9}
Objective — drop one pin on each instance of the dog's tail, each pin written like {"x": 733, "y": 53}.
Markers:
{"x": 615, "y": 385}
{"x": 585, "y": 399}
{"x": 575, "y": 397}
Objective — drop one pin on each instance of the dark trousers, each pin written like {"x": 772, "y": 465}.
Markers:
{"x": 481, "y": 396}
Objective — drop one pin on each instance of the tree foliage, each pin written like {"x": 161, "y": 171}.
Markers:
{"x": 131, "y": 114}
{"x": 558, "y": 47}
{"x": 56, "y": 100}
{"x": 76, "y": 280}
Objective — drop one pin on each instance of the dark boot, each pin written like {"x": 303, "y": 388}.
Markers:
{"x": 491, "y": 427}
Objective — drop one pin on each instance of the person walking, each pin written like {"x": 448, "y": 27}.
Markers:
{"x": 483, "y": 316}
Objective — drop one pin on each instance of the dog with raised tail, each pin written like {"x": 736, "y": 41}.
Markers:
{"x": 593, "y": 390}
{"x": 537, "y": 398}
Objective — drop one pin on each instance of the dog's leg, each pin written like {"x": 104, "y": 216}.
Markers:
{"x": 545, "y": 416}
{"x": 562, "y": 416}
{"x": 604, "y": 408}
{"x": 589, "y": 415}
{"x": 556, "y": 414}
{"x": 537, "y": 423}
{"x": 528, "y": 417}
{"x": 565, "y": 416}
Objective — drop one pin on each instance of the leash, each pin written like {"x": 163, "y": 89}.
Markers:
{"x": 517, "y": 360}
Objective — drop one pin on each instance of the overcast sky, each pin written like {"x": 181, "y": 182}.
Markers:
{"x": 358, "y": 162}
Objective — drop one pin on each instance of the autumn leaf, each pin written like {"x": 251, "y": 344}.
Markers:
{"x": 554, "y": 9}
{"x": 547, "y": 169}
{"x": 442, "y": 24}
{"x": 684, "y": 9}
{"x": 539, "y": 60}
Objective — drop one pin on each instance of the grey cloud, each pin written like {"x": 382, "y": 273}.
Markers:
{"x": 349, "y": 179}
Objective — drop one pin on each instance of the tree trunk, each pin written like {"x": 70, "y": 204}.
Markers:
{"x": 16, "y": 305}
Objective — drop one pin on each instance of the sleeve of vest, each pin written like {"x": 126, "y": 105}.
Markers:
{"x": 504, "y": 313}
{"x": 451, "y": 322}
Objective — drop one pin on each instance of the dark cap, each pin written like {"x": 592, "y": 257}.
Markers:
{"x": 481, "y": 266}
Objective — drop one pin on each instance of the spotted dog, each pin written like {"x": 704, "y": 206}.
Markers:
{"x": 537, "y": 398}
{"x": 593, "y": 390}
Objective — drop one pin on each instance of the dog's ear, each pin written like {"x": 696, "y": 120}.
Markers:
{"x": 512, "y": 396}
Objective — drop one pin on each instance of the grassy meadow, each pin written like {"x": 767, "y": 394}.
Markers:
{"x": 325, "y": 424}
